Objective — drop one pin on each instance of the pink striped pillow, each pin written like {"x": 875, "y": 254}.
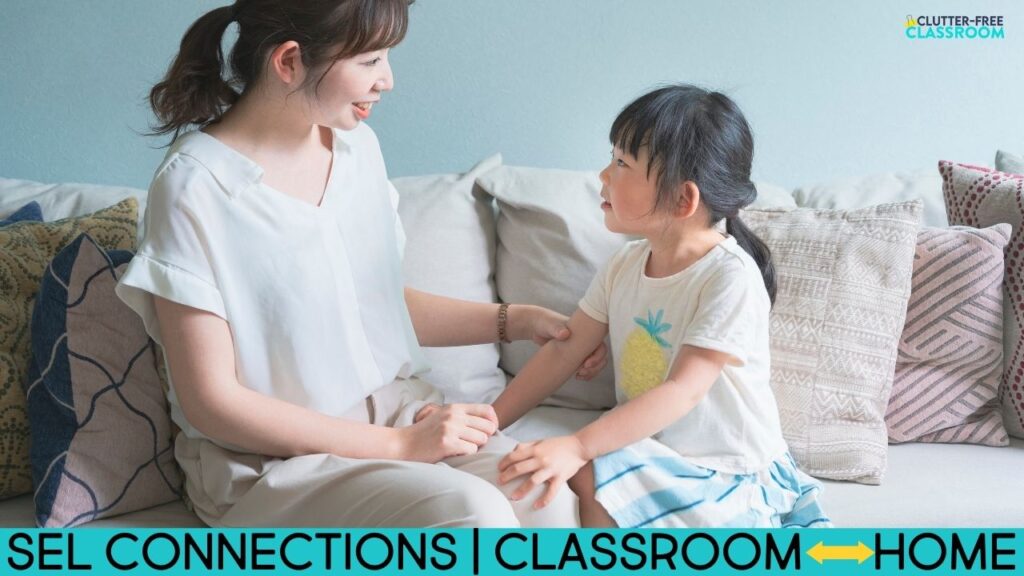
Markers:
{"x": 950, "y": 358}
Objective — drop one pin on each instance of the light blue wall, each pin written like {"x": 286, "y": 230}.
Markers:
{"x": 830, "y": 93}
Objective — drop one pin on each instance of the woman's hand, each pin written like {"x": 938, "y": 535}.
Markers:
{"x": 441, "y": 432}
{"x": 553, "y": 460}
{"x": 541, "y": 325}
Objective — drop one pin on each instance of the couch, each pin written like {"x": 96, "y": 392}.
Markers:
{"x": 458, "y": 247}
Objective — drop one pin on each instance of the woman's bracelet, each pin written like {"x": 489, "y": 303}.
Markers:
{"x": 502, "y": 323}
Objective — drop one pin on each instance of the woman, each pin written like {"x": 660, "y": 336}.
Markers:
{"x": 270, "y": 275}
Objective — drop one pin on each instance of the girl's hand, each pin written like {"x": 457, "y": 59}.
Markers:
{"x": 444, "y": 431}
{"x": 541, "y": 325}
{"x": 553, "y": 460}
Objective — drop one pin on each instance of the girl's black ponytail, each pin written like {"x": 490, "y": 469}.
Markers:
{"x": 757, "y": 249}
{"x": 194, "y": 90}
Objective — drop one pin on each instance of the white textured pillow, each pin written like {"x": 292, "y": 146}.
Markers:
{"x": 449, "y": 250}
{"x": 1011, "y": 163}
{"x": 862, "y": 192}
{"x": 844, "y": 280}
{"x": 66, "y": 200}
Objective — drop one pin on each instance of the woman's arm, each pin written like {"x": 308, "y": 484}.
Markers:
{"x": 443, "y": 321}
{"x": 200, "y": 354}
{"x": 549, "y": 368}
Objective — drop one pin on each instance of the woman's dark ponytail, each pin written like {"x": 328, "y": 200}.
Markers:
{"x": 757, "y": 249}
{"x": 201, "y": 84}
{"x": 194, "y": 90}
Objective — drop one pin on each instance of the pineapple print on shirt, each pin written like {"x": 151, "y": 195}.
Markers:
{"x": 644, "y": 358}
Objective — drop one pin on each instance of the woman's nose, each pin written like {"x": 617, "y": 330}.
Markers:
{"x": 387, "y": 79}
{"x": 604, "y": 175}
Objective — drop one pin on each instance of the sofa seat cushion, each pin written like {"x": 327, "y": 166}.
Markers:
{"x": 18, "y": 513}
{"x": 930, "y": 485}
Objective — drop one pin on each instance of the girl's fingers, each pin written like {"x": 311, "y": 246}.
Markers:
{"x": 516, "y": 470}
{"x": 536, "y": 479}
{"x": 554, "y": 485}
{"x": 522, "y": 452}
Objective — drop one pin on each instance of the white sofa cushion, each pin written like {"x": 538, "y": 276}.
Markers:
{"x": 449, "y": 224}
{"x": 884, "y": 188}
{"x": 67, "y": 199}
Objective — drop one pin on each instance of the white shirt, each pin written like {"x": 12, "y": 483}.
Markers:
{"x": 313, "y": 295}
{"x": 718, "y": 303}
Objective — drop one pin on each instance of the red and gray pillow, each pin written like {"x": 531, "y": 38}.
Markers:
{"x": 980, "y": 197}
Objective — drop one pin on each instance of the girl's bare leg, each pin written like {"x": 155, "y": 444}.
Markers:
{"x": 592, "y": 514}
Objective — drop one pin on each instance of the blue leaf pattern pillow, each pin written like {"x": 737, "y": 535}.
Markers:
{"x": 102, "y": 441}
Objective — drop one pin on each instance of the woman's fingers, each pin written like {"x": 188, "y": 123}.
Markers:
{"x": 481, "y": 424}
{"x": 485, "y": 411}
{"x": 477, "y": 437}
{"x": 594, "y": 363}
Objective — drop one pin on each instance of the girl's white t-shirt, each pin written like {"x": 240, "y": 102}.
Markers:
{"x": 719, "y": 303}
{"x": 313, "y": 295}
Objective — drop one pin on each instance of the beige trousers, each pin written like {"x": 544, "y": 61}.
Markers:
{"x": 232, "y": 489}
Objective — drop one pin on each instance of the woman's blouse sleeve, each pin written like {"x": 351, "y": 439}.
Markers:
{"x": 174, "y": 258}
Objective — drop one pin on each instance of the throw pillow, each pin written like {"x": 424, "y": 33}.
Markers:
{"x": 28, "y": 213}
{"x": 951, "y": 351}
{"x": 25, "y": 251}
{"x": 843, "y": 284}
{"x": 449, "y": 226}
{"x": 551, "y": 243}
{"x": 982, "y": 197}
{"x": 1008, "y": 162}
{"x": 101, "y": 433}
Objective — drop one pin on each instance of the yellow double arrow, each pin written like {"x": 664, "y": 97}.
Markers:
{"x": 821, "y": 552}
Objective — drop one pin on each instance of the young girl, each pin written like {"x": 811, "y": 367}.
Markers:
{"x": 270, "y": 275}
{"x": 695, "y": 440}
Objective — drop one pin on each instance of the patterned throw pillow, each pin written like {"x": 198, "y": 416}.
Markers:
{"x": 30, "y": 212}
{"x": 982, "y": 197}
{"x": 951, "y": 352}
{"x": 25, "y": 251}
{"x": 101, "y": 434}
{"x": 843, "y": 284}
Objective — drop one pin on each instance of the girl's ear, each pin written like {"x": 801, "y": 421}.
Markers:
{"x": 286, "y": 63}
{"x": 689, "y": 199}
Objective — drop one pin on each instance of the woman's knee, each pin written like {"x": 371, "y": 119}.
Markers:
{"x": 476, "y": 503}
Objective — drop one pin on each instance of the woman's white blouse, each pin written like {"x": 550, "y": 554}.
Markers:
{"x": 313, "y": 295}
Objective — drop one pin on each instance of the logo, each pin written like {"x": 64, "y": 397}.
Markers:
{"x": 954, "y": 27}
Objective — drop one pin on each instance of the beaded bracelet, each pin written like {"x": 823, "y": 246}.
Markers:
{"x": 502, "y": 321}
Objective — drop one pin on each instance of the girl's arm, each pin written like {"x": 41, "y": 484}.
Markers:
{"x": 555, "y": 460}
{"x": 200, "y": 354}
{"x": 692, "y": 375}
{"x": 549, "y": 368}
